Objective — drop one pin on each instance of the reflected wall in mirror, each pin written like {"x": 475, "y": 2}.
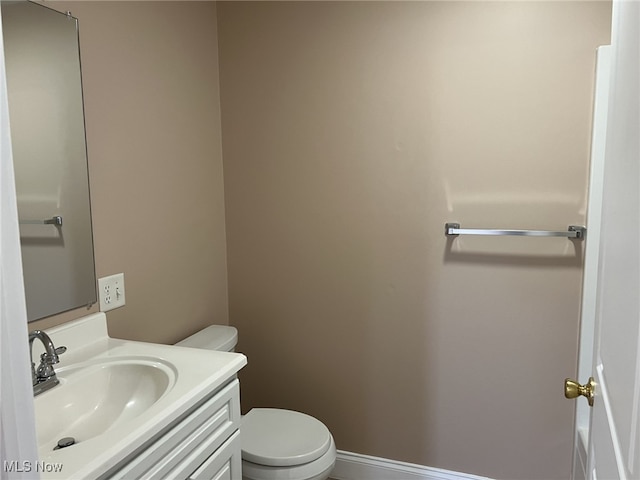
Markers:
{"x": 50, "y": 157}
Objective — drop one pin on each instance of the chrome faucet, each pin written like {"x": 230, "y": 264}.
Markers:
{"x": 45, "y": 376}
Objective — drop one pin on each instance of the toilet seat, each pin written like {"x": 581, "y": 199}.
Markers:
{"x": 283, "y": 438}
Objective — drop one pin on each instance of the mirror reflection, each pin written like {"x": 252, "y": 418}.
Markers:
{"x": 49, "y": 151}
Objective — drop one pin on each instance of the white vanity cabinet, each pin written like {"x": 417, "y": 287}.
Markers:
{"x": 204, "y": 444}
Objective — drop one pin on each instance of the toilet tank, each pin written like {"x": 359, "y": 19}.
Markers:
{"x": 214, "y": 337}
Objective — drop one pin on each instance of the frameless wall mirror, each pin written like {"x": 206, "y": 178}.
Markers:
{"x": 50, "y": 157}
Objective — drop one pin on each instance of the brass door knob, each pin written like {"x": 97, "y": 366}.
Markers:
{"x": 573, "y": 389}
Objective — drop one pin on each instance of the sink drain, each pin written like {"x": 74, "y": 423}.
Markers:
{"x": 65, "y": 442}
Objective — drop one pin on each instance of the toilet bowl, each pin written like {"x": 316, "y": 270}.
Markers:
{"x": 277, "y": 444}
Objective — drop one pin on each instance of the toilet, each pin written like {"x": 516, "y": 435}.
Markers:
{"x": 277, "y": 444}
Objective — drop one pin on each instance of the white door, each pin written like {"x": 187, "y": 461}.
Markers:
{"x": 614, "y": 446}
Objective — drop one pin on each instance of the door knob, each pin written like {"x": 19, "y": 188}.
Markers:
{"x": 573, "y": 389}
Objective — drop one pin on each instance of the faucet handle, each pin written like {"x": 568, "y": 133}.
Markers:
{"x": 45, "y": 369}
{"x": 47, "y": 359}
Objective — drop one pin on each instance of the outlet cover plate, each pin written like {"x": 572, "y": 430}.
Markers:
{"x": 111, "y": 292}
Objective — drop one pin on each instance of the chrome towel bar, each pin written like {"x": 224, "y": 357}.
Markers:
{"x": 57, "y": 221}
{"x": 574, "y": 231}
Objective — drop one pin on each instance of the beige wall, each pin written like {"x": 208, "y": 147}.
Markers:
{"x": 352, "y": 133}
{"x": 150, "y": 73}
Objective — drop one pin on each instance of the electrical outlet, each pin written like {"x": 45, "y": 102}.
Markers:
{"x": 111, "y": 292}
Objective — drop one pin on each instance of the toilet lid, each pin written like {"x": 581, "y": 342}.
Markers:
{"x": 280, "y": 438}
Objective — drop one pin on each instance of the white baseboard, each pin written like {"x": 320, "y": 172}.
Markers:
{"x": 354, "y": 466}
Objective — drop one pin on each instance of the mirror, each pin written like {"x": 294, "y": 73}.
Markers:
{"x": 50, "y": 157}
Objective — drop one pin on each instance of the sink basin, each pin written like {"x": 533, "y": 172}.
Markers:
{"x": 93, "y": 398}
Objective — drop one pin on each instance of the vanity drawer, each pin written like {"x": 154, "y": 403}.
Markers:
{"x": 185, "y": 446}
{"x": 224, "y": 464}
